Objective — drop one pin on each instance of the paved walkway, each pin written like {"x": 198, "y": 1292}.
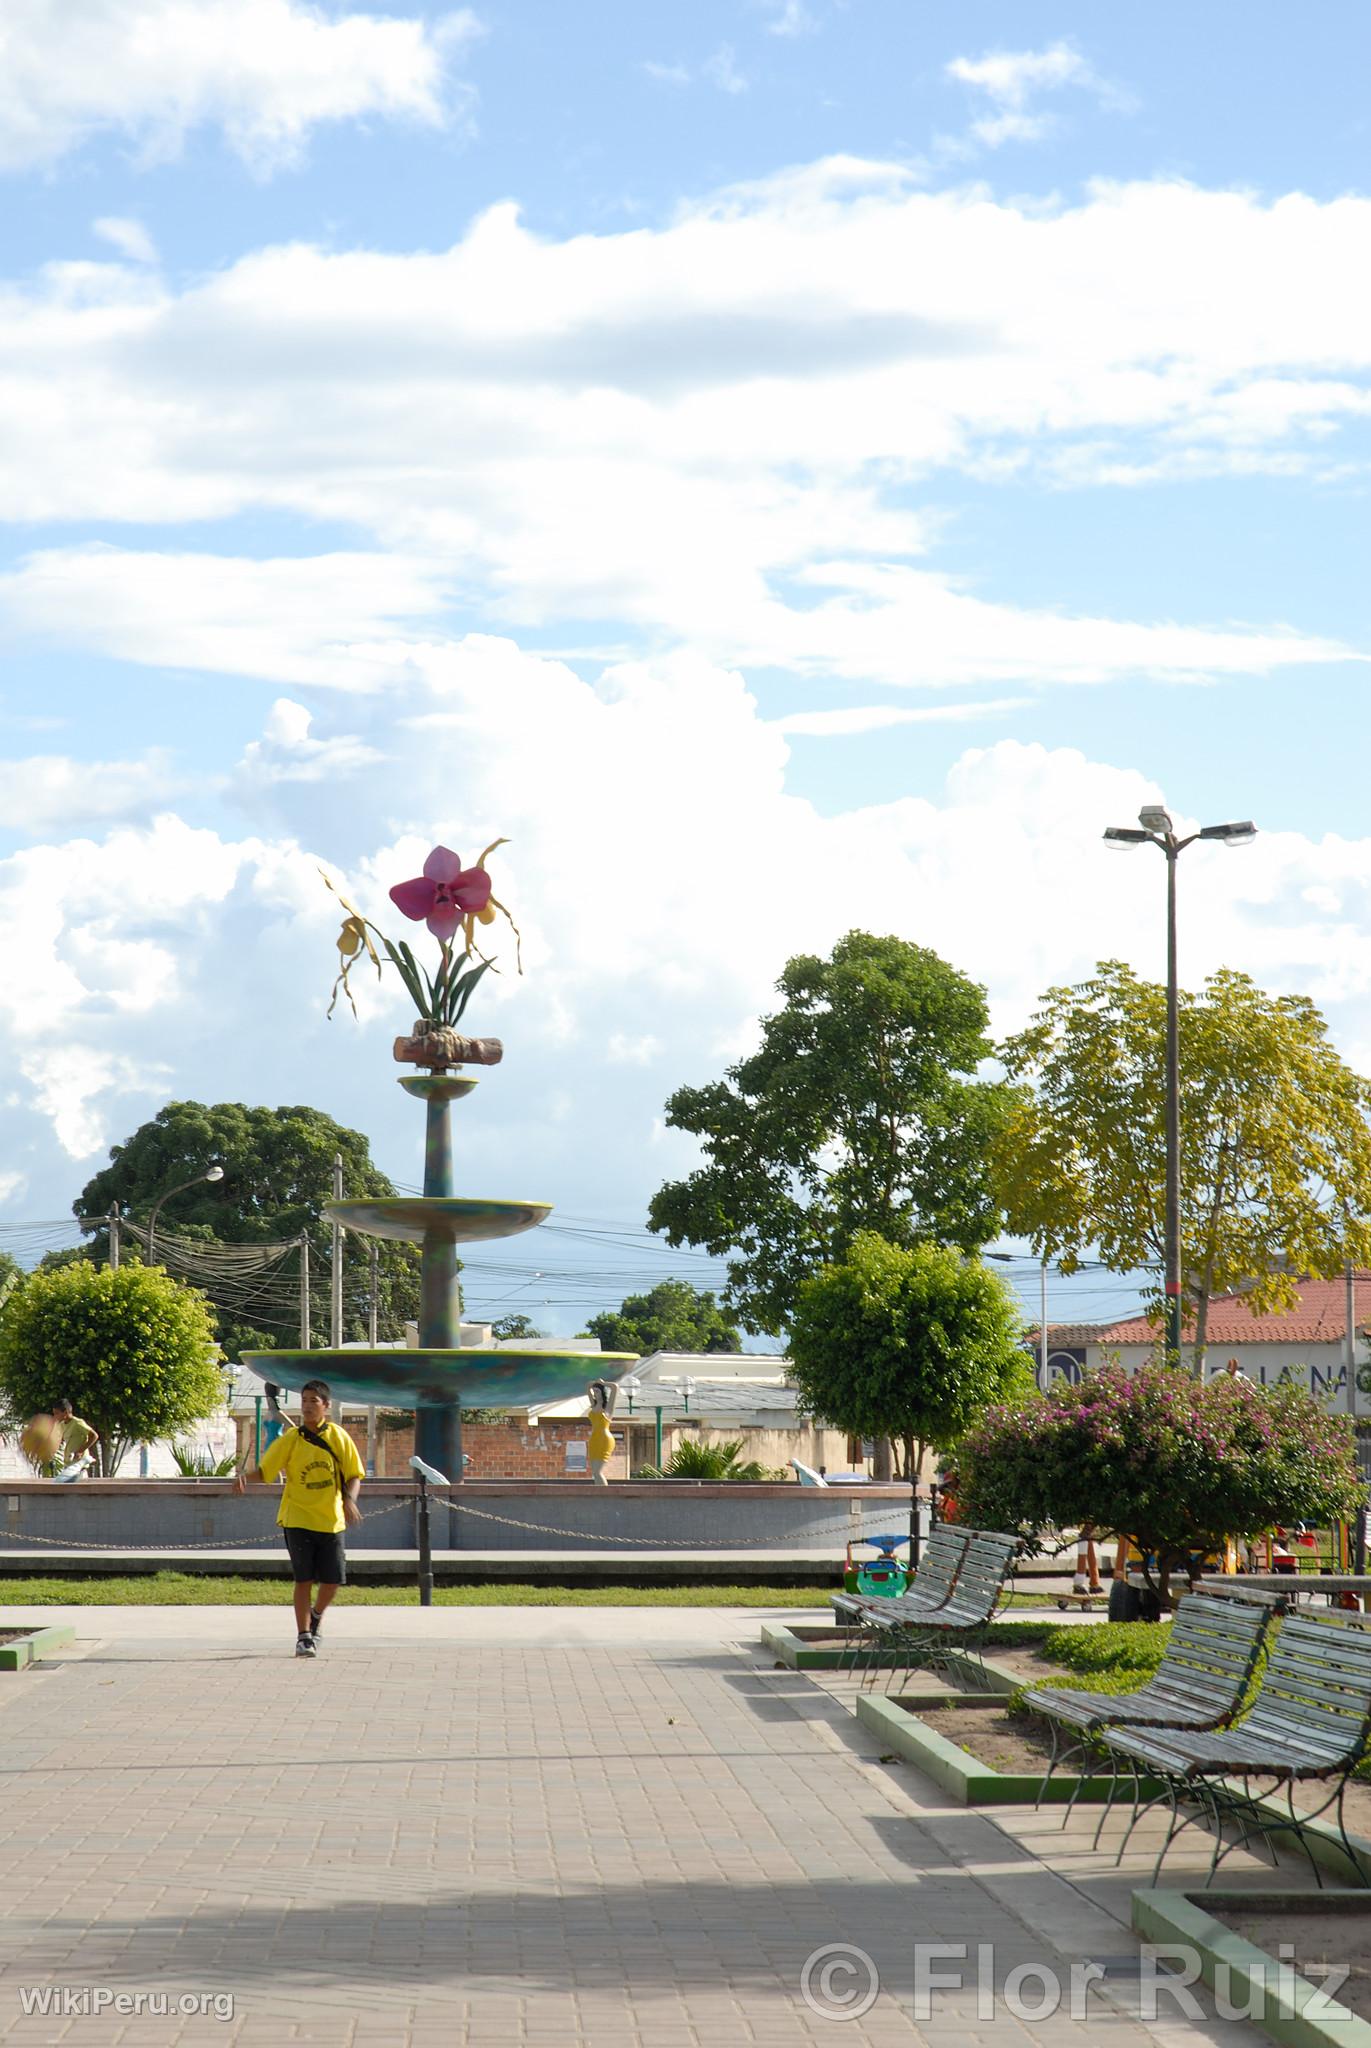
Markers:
{"x": 612, "y": 1827}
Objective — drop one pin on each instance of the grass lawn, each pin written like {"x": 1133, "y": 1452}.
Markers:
{"x": 186, "y": 1589}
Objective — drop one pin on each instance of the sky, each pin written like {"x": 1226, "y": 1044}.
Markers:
{"x": 786, "y": 465}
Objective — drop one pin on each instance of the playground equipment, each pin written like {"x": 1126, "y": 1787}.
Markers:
{"x": 882, "y": 1576}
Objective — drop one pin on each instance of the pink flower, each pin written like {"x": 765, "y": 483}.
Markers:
{"x": 446, "y": 894}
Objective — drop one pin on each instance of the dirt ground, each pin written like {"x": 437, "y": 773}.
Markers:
{"x": 1309, "y": 1941}
{"x": 1013, "y": 1743}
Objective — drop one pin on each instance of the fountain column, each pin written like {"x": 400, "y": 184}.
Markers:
{"x": 438, "y": 1428}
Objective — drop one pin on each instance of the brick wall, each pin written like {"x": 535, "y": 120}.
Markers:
{"x": 516, "y": 1449}
{"x": 497, "y": 1450}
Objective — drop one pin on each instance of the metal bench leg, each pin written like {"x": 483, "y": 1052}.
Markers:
{"x": 1084, "y": 1750}
{"x": 1349, "y": 1852}
{"x": 1051, "y": 1765}
{"x": 1109, "y": 1797}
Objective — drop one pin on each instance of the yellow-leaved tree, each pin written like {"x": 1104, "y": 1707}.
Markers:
{"x": 1275, "y": 1139}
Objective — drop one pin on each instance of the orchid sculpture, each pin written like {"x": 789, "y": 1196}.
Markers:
{"x": 448, "y": 898}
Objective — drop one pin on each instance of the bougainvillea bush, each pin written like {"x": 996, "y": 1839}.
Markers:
{"x": 1155, "y": 1455}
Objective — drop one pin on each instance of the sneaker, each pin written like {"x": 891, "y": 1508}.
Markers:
{"x": 315, "y": 1619}
{"x": 304, "y": 1644}
{"x": 1081, "y": 1584}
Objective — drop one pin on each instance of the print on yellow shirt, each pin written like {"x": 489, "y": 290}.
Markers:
{"x": 312, "y": 1496}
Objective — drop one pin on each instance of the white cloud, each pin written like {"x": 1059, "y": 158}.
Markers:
{"x": 129, "y": 237}
{"x": 859, "y": 718}
{"x": 162, "y": 961}
{"x": 265, "y": 72}
{"x": 721, "y": 69}
{"x": 289, "y": 752}
{"x": 788, "y": 18}
{"x": 709, "y": 432}
{"x": 52, "y": 793}
{"x": 667, "y": 74}
{"x": 327, "y": 620}
{"x": 1011, "y": 79}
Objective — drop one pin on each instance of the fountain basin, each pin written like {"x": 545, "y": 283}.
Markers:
{"x": 405, "y": 1378}
{"x": 446, "y": 1219}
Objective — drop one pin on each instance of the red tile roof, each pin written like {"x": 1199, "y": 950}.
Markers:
{"x": 1319, "y": 1318}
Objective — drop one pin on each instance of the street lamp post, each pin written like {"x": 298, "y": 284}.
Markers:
{"x": 210, "y": 1173}
{"x": 1157, "y": 830}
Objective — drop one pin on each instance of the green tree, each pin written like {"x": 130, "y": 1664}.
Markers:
{"x": 278, "y": 1174}
{"x": 133, "y": 1351}
{"x": 11, "y": 1276}
{"x": 511, "y": 1329}
{"x": 907, "y": 1342}
{"x": 859, "y": 1111}
{"x": 1275, "y": 1144}
{"x": 1158, "y": 1456}
{"x": 672, "y": 1316}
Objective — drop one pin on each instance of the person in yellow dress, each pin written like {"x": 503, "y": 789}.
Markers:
{"x": 322, "y": 1472}
{"x": 58, "y": 1440}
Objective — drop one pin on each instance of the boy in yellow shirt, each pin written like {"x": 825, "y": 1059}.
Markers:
{"x": 322, "y": 1472}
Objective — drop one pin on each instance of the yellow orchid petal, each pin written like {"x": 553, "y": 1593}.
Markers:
{"x": 481, "y": 861}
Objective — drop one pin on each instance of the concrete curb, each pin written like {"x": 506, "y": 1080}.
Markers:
{"x": 16, "y": 1656}
{"x": 971, "y": 1782}
{"x": 1272, "y": 1993}
{"x": 805, "y": 1649}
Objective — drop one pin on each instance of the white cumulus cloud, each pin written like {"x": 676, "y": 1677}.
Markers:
{"x": 265, "y": 72}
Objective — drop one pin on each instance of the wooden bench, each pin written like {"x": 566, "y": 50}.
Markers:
{"x": 928, "y": 1593}
{"x": 1211, "y": 1651}
{"x": 926, "y": 1634}
{"x": 1309, "y": 1720}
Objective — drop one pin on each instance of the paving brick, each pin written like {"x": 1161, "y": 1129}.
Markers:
{"x": 467, "y": 1827}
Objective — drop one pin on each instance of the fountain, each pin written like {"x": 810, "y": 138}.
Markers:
{"x": 439, "y": 1376}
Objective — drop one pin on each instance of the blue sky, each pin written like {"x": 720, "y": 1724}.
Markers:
{"x": 789, "y": 464}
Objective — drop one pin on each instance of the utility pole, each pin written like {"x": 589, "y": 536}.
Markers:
{"x": 1349, "y": 1344}
{"x": 1042, "y": 1331}
{"x": 114, "y": 1237}
{"x": 373, "y": 1282}
{"x": 335, "y": 1316}
{"x": 304, "y": 1294}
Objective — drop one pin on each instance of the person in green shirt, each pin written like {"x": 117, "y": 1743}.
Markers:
{"x": 321, "y": 1472}
{"x": 68, "y": 1439}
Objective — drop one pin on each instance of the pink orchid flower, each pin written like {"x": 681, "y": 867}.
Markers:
{"x": 446, "y": 895}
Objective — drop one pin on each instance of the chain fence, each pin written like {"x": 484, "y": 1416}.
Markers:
{"x": 772, "y": 1539}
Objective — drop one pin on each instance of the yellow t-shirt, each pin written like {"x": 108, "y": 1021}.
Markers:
{"x": 312, "y": 1496}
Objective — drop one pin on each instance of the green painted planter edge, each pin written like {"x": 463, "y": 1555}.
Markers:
{"x": 1169, "y": 1916}
{"x": 971, "y": 1782}
{"x": 792, "y": 1649}
{"x": 14, "y": 1656}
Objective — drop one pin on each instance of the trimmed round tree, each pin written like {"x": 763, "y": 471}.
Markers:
{"x": 1176, "y": 1466}
{"x": 133, "y": 1351}
{"x": 906, "y": 1342}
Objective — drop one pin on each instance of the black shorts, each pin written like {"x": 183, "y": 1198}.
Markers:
{"x": 317, "y": 1557}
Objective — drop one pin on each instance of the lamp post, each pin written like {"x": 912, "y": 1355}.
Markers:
{"x": 210, "y": 1173}
{"x": 1157, "y": 829}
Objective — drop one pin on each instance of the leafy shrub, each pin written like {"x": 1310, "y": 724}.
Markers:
{"x": 1160, "y": 1457}
{"x": 132, "y": 1350}
{"x": 193, "y": 1463}
{"x": 691, "y": 1460}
